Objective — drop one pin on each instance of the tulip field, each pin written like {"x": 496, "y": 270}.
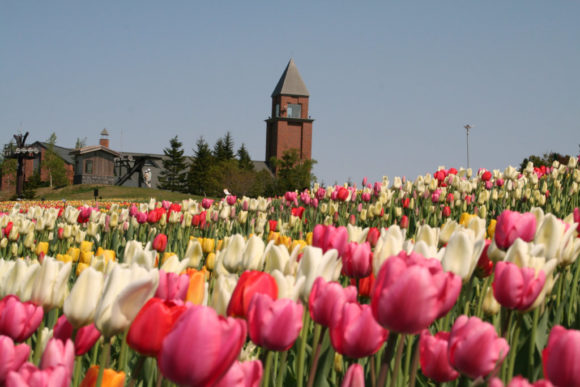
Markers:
{"x": 455, "y": 278}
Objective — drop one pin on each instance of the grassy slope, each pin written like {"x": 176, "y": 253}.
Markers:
{"x": 85, "y": 192}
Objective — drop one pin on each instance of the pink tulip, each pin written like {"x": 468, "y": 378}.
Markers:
{"x": 141, "y": 217}
{"x": 560, "y": 357}
{"x": 411, "y": 292}
{"x": 577, "y": 218}
{"x": 330, "y": 237}
{"x": 58, "y": 353}
{"x": 11, "y": 356}
{"x": 474, "y": 347}
{"x": 515, "y": 287}
{"x": 274, "y": 324}
{"x": 512, "y": 225}
{"x": 19, "y": 320}
{"x": 326, "y": 300}
{"x": 520, "y": 381}
{"x": 29, "y": 375}
{"x": 216, "y": 341}
{"x": 357, "y": 334}
{"x": 246, "y": 374}
{"x": 172, "y": 286}
{"x": 433, "y": 357}
{"x": 85, "y": 338}
{"x": 231, "y": 199}
{"x": 206, "y": 203}
{"x": 354, "y": 377}
{"x": 357, "y": 260}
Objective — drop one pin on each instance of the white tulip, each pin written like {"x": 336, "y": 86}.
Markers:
{"x": 462, "y": 253}
{"x": 51, "y": 286}
{"x": 390, "y": 243}
{"x": 253, "y": 255}
{"x": 314, "y": 264}
{"x": 222, "y": 292}
{"x": 79, "y": 307}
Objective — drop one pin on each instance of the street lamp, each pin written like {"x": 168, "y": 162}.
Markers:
{"x": 467, "y": 127}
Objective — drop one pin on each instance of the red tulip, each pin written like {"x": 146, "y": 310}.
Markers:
{"x": 153, "y": 322}
{"x": 250, "y": 283}
{"x": 274, "y": 324}
{"x": 484, "y": 264}
{"x": 11, "y": 356}
{"x": 474, "y": 347}
{"x": 19, "y": 320}
{"x": 326, "y": 300}
{"x": 486, "y": 176}
{"x": 342, "y": 194}
{"x": 356, "y": 334}
{"x": 446, "y": 212}
{"x": 515, "y": 287}
{"x": 354, "y": 377}
{"x": 160, "y": 242}
{"x": 433, "y": 357}
{"x": 357, "y": 260}
{"x": 520, "y": 381}
{"x": 365, "y": 285}
{"x": 560, "y": 357}
{"x": 215, "y": 340}
{"x": 373, "y": 236}
{"x": 172, "y": 286}
{"x": 8, "y": 228}
{"x": 411, "y": 292}
{"x": 512, "y": 225}
{"x": 404, "y": 222}
{"x": 85, "y": 338}
{"x": 272, "y": 224}
{"x": 246, "y": 374}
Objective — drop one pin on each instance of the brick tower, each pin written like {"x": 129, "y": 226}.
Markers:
{"x": 289, "y": 126}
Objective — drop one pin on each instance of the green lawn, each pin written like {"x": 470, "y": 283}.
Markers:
{"x": 86, "y": 192}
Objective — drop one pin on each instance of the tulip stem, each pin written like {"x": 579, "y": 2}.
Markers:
{"x": 398, "y": 361}
{"x": 387, "y": 356}
{"x": 104, "y": 361}
{"x": 302, "y": 350}
{"x": 408, "y": 354}
{"x": 281, "y": 369}
{"x": 532, "y": 342}
{"x": 137, "y": 370}
{"x": 123, "y": 354}
{"x": 319, "y": 331}
{"x": 267, "y": 369}
{"x": 77, "y": 370}
{"x": 414, "y": 364}
{"x": 573, "y": 294}
{"x": 38, "y": 349}
{"x": 514, "y": 352}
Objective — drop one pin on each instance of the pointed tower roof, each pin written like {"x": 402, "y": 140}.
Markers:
{"x": 291, "y": 82}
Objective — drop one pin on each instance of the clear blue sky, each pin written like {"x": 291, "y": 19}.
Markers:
{"x": 391, "y": 83}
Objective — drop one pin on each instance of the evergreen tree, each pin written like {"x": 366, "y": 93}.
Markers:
{"x": 54, "y": 165}
{"x": 244, "y": 161}
{"x": 202, "y": 161}
{"x": 173, "y": 176}
{"x": 292, "y": 172}
{"x": 223, "y": 149}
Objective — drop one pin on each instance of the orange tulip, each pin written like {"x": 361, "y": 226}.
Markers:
{"x": 196, "y": 289}
{"x": 111, "y": 378}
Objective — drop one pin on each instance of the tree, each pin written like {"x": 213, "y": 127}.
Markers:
{"x": 292, "y": 172}
{"x": 547, "y": 159}
{"x": 80, "y": 143}
{"x": 244, "y": 161}
{"x": 223, "y": 149}
{"x": 201, "y": 162}
{"x": 54, "y": 164}
{"x": 173, "y": 175}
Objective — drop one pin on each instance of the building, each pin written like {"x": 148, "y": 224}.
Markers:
{"x": 289, "y": 126}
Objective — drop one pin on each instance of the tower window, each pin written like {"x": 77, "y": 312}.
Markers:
{"x": 277, "y": 110}
{"x": 294, "y": 110}
{"x": 89, "y": 167}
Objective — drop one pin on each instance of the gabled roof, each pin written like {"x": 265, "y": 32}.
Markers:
{"x": 291, "y": 82}
{"x": 94, "y": 148}
{"x": 63, "y": 153}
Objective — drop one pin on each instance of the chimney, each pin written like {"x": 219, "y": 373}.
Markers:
{"x": 104, "y": 141}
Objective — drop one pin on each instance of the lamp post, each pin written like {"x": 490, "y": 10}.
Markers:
{"x": 467, "y": 127}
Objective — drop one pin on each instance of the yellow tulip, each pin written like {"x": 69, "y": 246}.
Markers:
{"x": 166, "y": 255}
{"x": 86, "y": 246}
{"x": 64, "y": 258}
{"x": 80, "y": 267}
{"x": 309, "y": 238}
{"x": 74, "y": 252}
{"x": 208, "y": 245}
{"x": 210, "y": 261}
{"x": 491, "y": 229}
{"x": 465, "y": 219}
{"x": 273, "y": 236}
{"x": 298, "y": 242}
{"x": 41, "y": 247}
{"x": 86, "y": 257}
